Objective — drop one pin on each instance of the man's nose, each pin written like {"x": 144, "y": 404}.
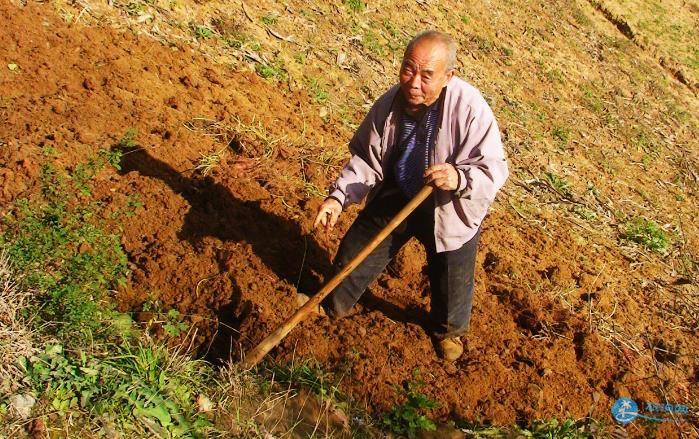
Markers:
{"x": 415, "y": 81}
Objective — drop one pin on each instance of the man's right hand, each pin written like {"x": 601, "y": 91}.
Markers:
{"x": 328, "y": 214}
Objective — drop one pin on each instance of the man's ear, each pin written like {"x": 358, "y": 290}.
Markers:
{"x": 450, "y": 73}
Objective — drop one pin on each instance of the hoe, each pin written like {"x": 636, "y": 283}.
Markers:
{"x": 255, "y": 355}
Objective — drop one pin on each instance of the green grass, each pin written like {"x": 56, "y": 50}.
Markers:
{"x": 59, "y": 242}
{"x": 308, "y": 374}
{"x": 271, "y": 71}
{"x": 269, "y": 19}
{"x": 355, "y": 5}
{"x": 560, "y": 184}
{"x": 318, "y": 91}
{"x": 561, "y": 134}
{"x": 203, "y": 32}
{"x": 646, "y": 233}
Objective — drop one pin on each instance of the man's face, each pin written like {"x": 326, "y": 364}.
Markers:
{"x": 423, "y": 73}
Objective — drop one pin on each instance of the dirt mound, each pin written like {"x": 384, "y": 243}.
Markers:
{"x": 229, "y": 250}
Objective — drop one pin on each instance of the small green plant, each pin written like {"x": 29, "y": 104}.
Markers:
{"x": 318, "y": 91}
{"x": 465, "y": 19}
{"x": 203, "y": 32}
{"x": 173, "y": 325}
{"x": 59, "y": 242}
{"x": 355, "y": 5}
{"x": 646, "y": 233}
{"x": 566, "y": 429}
{"x": 127, "y": 141}
{"x": 562, "y": 134}
{"x": 408, "y": 419}
{"x": 308, "y": 375}
{"x": 300, "y": 58}
{"x": 274, "y": 70}
{"x": 559, "y": 184}
{"x": 370, "y": 41}
{"x": 585, "y": 213}
{"x": 269, "y": 19}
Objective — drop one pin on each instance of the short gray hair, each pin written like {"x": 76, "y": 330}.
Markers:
{"x": 444, "y": 39}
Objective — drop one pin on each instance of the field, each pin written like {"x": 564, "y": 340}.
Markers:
{"x": 201, "y": 137}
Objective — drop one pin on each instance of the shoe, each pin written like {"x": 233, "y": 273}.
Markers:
{"x": 301, "y": 300}
{"x": 451, "y": 349}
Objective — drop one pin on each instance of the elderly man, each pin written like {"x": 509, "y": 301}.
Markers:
{"x": 431, "y": 128}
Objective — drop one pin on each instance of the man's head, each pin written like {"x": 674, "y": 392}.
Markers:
{"x": 428, "y": 64}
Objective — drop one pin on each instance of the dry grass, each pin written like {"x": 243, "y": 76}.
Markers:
{"x": 16, "y": 337}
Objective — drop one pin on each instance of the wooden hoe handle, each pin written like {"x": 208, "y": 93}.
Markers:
{"x": 255, "y": 355}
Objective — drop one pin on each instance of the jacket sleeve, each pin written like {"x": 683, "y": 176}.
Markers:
{"x": 480, "y": 161}
{"x": 363, "y": 170}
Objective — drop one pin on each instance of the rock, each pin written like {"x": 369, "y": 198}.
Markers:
{"x": 22, "y": 405}
{"x": 204, "y": 404}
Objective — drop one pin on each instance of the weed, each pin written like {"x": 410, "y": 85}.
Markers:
{"x": 355, "y": 5}
{"x": 269, "y": 19}
{"x": 567, "y": 429}
{"x": 209, "y": 162}
{"x": 559, "y": 184}
{"x": 483, "y": 43}
{"x": 580, "y": 17}
{"x": 127, "y": 141}
{"x": 143, "y": 384}
{"x": 408, "y": 419}
{"x": 60, "y": 244}
{"x": 465, "y": 19}
{"x": 310, "y": 376}
{"x": 174, "y": 326}
{"x": 390, "y": 28}
{"x": 562, "y": 134}
{"x": 203, "y": 32}
{"x": 506, "y": 51}
{"x": 300, "y": 58}
{"x": 370, "y": 41}
{"x": 585, "y": 213}
{"x": 274, "y": 70}
{"x": 318, "y": 91}
{"x": 647, "y": 233}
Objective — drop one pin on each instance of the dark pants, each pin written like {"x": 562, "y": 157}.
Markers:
{"x": 450, "y": 272}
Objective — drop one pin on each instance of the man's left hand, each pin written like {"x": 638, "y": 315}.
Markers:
{"x": 442, "y": 176}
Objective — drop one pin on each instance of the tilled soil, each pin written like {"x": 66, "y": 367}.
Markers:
{"x": 229, "y": 250}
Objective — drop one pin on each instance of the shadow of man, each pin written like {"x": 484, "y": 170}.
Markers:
{"x": 216, "y": 212}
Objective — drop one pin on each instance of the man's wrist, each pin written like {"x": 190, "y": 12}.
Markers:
{"x": 333, "y": 197}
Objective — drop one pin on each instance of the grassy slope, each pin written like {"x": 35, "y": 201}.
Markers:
{"x": 575, "y": 99}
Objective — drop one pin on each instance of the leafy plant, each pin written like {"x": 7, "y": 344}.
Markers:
{"x": 561, "y": 134}
{"x": 408, "y": 419}
{"x": 355, "y": 5}
{"x": 58, "y": 241}
{"x": 318, "y": 91}
{"x": 269, "y": 19}
{"x": 274, "y": 70}
{"x": 647, "y": 233}
{"x": 203, "y": 32}
{"x": 143, "y": 384}
{"x": 174, "y": 326}
{"x": 559, "y": 184}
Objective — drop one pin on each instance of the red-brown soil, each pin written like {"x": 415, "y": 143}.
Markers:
{"x": 229, "y": 249}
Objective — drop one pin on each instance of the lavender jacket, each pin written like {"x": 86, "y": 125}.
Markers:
{"x": 467, "y": 137}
